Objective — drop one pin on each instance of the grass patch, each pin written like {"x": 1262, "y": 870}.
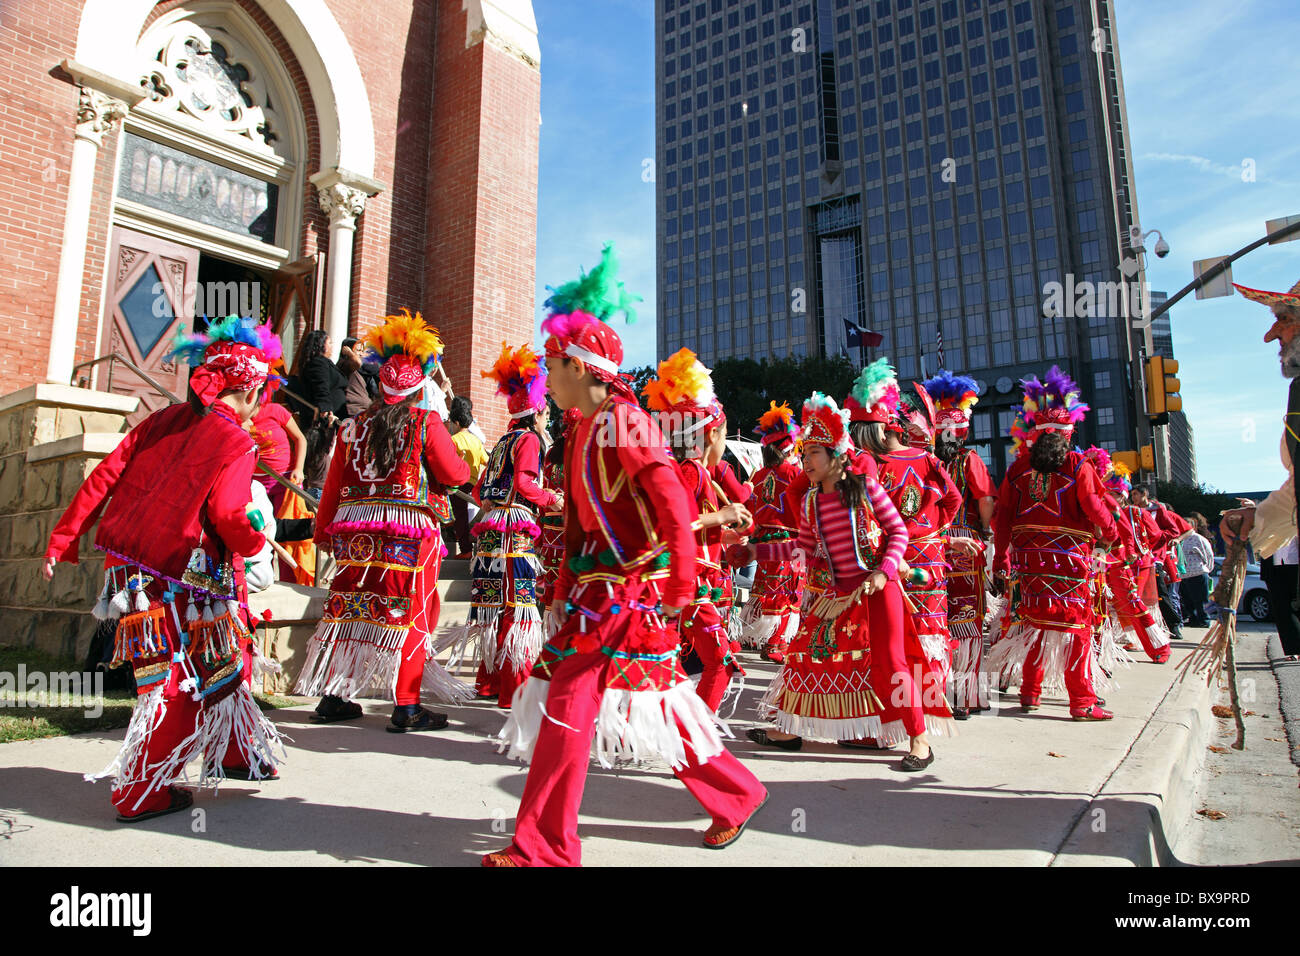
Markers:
{"x": 18, "y": 721}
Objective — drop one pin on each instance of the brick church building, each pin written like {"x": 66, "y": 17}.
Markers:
{"x": 318, "y": 162}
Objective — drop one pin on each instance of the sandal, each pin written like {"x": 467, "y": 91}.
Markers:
{"x": 333, "y": 709}
{"x": 264, "y": 773}
{"x": 721, "y": 839}
{"x": 912, "y": 763}
{"x": 498, "y": 858}
{"x": 422, "y": 719}
{"x": 181, "y": 799}
{"x": 759, "y": 736}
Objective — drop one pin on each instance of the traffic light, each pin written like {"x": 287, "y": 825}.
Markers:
{"x": 1162, "y": 389}
{"x": 1129, "y": 459}
{"x": 1147, "y": 456}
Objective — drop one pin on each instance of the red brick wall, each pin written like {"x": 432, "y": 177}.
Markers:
{"x": 36, "y": 129}
{"x": 453, "y": 233}
{"x": 482, "y": 232}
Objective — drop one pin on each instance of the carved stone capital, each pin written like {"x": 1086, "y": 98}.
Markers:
{"x": 96, "y": 114}
{"x": 342, "y": 203}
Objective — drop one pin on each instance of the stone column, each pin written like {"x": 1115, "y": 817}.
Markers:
{"x": 96, "y": 114}
{"x": 343, "y": 198}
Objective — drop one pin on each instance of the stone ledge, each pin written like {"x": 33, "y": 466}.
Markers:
{"x": 69, "y": 396}
{"x": 91, "y": 444}
{"x": 288, "y": 602}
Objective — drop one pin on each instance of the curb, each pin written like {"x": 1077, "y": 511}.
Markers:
{"x": 1138, "y": 815}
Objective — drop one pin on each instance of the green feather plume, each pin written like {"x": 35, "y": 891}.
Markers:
{"x": 597, "y": 292}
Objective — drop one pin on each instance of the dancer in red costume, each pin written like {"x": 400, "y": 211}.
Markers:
{"x": 505, "y": 620}
{"x": 384, "y": 496}
{"x": 1148, "y": 537}
{"x": 770, "y": 617}
{"x": 688, "y": 413}
{"x": 610, "y": 675}
{"x": 927, "y": 500}
{"x": 1050, "y": 514}
{"x": 967, "y": 538}
{"x": 550, "y": 545}
{"x": 1132, "y": 615}
{"x": 846, "y": 675}
{"x": 173, "y": 497}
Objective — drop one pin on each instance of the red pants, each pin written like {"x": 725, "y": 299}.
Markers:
{"x": 891, "y": 678}
{"x": 1078, "y": 673}
{"x": 546, "y": 829}
{"x": 702, "y": 626}
{"x": 1132, "y": 612}
{"x": 180, "y": 717}
{"x": 503, "y": 682}
{"x": 411, "y": 669}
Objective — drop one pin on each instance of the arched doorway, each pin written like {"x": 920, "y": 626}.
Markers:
{"x": 208, "y": 192}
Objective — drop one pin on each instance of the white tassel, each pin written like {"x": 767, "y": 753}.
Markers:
{"x": 121, "y": 604}
{"x": 100, "y": 610}
{"x": 232, "y": 608}
{"x": 141, "y": 601}
{"x": 208, "y": 616}
{"x": 191, "y": 612}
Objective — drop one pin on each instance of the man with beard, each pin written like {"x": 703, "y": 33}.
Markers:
{"x": 1271, "y": 526}
{"x": 953, "y": 397}
{"x": 1050, "y": 512}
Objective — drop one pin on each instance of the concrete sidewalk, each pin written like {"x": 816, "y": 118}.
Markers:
{"x": 1012, "y": 789}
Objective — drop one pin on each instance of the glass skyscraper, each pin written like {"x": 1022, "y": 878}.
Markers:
{"x": 922, "y": 168}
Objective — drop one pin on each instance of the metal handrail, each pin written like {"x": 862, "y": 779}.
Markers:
{"x": 114, "y": 357}
{"x": 171, "y": 397}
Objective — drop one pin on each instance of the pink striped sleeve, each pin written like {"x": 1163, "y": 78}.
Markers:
{"x": 895, "y": 530}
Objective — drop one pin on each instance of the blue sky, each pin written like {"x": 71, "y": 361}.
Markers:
{"x": 1208, "y": 85}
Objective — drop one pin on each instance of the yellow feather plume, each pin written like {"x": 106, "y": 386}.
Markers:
{"x": 682, "y": 378}
{"x": 405, "y": 333}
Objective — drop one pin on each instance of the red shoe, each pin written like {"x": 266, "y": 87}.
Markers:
{"x": 1095, "y": 712}
{"x": 1162, "y": 655}
{"x": 1030, "y": 704}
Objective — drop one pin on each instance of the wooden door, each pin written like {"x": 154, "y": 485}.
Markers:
{"x": 152, "y": 284}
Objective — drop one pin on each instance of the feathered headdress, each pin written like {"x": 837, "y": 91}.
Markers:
{"x": 874, "y": 396}
{"x": 825, "y": 424}
{"x": 404, "y": 334}
{"x": 777, "y": 426}
{"x": 954, "y": 396}
{"x": 232, "y": 353}
{"x": 916, "y": 413}
{"x": 578, "y": 315}
{"x": 682, "y": 395}
{"x": 1021, "y": 436}
{"x": 1052, "y": 403}
{"x": 521, "y": 378}
{"x": 1118, "y": 479}
{"x": 407, "y": 348}
{"x": 1100, "y": 460}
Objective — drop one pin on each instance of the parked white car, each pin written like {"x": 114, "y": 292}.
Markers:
{"x": 1254, "y": 593}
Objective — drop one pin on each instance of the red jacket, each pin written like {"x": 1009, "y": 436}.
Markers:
{"x": 973, "y": 481}
{"x": 416, "y": 485}
{"x": 623, "y": 489}
{"x": 1072, "y": 498}
{"x": 176, "y": 479}
{"x": 768, "y": 503}
{"x": 921, "y": 490}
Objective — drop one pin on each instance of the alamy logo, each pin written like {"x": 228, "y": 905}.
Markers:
{"x": 58, "y": 689}
{"x": 77, "y": 909}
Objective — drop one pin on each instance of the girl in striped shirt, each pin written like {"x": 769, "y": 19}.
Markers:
{"x": 827, "y": 687}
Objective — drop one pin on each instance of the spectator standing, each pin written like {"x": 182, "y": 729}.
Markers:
{"x": 322, "y": 385}
{"x": 363, "y": 380}
{"x": 1194, "y": 586}
{"x": 465, "y": 435}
